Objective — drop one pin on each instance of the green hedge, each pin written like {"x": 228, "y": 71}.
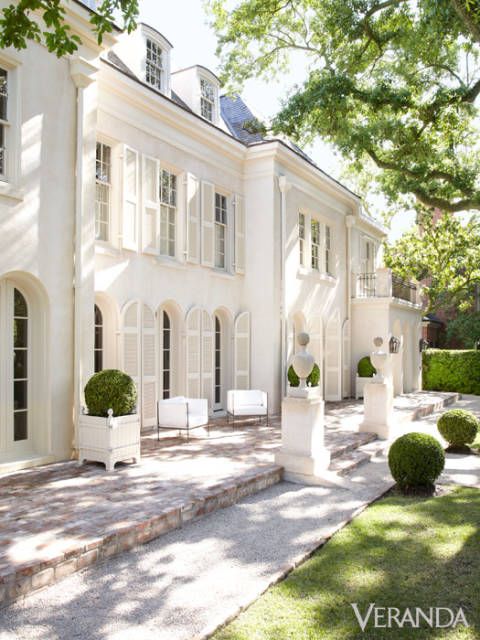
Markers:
{"x": 451, "y": 370}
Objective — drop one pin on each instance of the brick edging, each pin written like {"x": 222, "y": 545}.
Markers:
{"x": 37, "y": 575}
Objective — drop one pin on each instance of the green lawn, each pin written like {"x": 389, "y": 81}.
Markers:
{"x": 401, "y": 552}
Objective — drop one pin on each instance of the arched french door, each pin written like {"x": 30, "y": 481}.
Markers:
{"x": 15, "y": 357}
{"x": 166, "y": 331}
{"x": 218, "y": 382}
{"x": 98, "y": 345}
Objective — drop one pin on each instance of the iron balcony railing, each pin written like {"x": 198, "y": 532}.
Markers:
{"x": 385, "y": 285}
{"x": 403, "y": 289}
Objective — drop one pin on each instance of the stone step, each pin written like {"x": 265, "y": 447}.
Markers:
{"x": 344, "y": 465}
{"x": 347, "y": 442}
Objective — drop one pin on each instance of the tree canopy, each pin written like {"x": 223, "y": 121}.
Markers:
{"x": 44, "y": 21}
{"x": 391, "y": 83}
{"x": 445, "y": 254}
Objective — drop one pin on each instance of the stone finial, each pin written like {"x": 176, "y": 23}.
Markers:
{"x": 110, "y": 418}
{"x": 303, "y": 339}
{"x": 378, "y": 341}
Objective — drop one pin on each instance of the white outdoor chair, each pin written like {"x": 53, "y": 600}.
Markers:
{"x": 182, "y": 414}
{"x": 247, "y": 403}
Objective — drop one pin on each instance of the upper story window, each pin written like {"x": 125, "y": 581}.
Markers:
{"x": 103, "y": 188}
{"x": 315, "y": 244}
{"x": 328, "y": 250}
{"x": 154, "y": 64}
{"x": 301, "y": 237}
{"x": 207, "y": 100}
{"x": 220, "y": 229}
{"x": 168, "y": 212}
{"x": 3, "y": 120}
{"x": 368, "y": 256}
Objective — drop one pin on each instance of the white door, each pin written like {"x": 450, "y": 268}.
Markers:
{"x": 15, "y": 370}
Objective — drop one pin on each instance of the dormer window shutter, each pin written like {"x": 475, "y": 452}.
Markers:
{"x": 151, "y": 206}
{"x": 239, "y": 234}
{"x": 208, "y": 220}
{"x": 130, "y": 199}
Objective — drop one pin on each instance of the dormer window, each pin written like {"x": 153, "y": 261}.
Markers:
{"x": 207, "y": 100}
{"x": 154, "y": 69}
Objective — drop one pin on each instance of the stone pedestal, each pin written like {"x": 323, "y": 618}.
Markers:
{"x": 303, "y": 454}
{"x": 378, "y": 409}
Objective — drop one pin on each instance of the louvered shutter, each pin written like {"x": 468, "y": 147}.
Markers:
{"x": 242, "y": 351}
{"x": 239, "y": 234}
{"x": 207, "y": 357}
{"x": 149, "y": 358}
{"x": 131, "y": 346}
{"x": 130, "y": 199}
{"x": 208, "y": 220}
{"x": 346, "y": 360}
{"x": 193, "y": 218}
{"x": 333, "y": 359}
{"x": 151, "y": 205}
{"x": 315, "y": 346}
{"x": 193, "y": 327}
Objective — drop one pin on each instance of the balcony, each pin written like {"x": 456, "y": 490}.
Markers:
{"x": 384, "y": 284}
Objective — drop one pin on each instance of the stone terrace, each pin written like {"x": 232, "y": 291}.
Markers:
{"x": 62, "y": 517}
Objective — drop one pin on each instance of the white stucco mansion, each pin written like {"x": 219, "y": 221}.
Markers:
{"x": 144, "y": 226}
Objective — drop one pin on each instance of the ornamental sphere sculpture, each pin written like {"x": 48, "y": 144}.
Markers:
{"x": 303, "y": 361}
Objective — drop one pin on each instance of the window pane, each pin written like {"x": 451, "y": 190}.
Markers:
{"x": 20, "y": 363}
{"x": 98, "y": 361}
{"x": 20, "y": 333}
{"x": 20, "y": 395}
{"x": 3, "y": 94}
{"x": 20, "y": 305}
{"x": 20, "y": 431}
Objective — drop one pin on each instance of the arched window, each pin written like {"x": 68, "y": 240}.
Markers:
{"x": 218, "y": 362}
{"x": 166, "y": 354}
{"x": 20, "y": 367}
{"x": 98, "y": 347}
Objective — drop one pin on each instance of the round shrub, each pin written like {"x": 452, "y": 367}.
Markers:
{"x": 110, "y": 389}
{"x": 458, "y": 427}
{"x": 365, "y": 368}
{"x": 416, "y": 460}
{"x": 313, "y": 379}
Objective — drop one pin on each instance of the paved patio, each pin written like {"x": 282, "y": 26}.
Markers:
{"x": 57, "y": 519}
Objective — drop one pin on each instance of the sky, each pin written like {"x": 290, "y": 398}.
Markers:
{"x": 184, "y": 24}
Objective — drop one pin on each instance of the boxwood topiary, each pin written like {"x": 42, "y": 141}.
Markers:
{"x": 365, "y": 368}
{"x": 416, "y": 460}
{"x": 458, "y": 427}
{"x": 313, "y": 379}
{"x": 110, "y": 389}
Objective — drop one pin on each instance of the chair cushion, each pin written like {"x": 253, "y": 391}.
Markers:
{"x": 250, "y": 397}
{"x": 174, "y": 400}
{"x": 250, "y": 410}
{"x": 197, "y": 421}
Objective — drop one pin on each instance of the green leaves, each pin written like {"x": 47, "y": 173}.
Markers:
{"x": 392, "y": 82}
{"x": 43, "y": 21}
{"x": 445, "y": 253}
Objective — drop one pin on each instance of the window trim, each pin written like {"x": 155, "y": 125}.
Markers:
{"x": 316, "y": 256}
{"x": 215, "y": 103}
{"x": 172, "y": 173}
{"x": 11, "y": 63}
{"x": 225, "y": 226}
{"x": 108, "y": 184}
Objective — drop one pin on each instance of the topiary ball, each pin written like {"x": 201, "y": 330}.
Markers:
{"x": 110, "y": 389}
{"x": 458, "y": 427}
{"x": 313, "y": 379}
{"x": 365, "y": 368}
{"x": 416, "y": 460}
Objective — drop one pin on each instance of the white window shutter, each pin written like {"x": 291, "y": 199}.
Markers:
{"x": 347, "y": 360}
{"x": 242, "y": 351}
{"x": 131, "y": 344}
{"x": 333, "y": 359}
{"x": 130, "y": 199}
{"x": 151, "y": 205}
{"x": 208, "y": 220}
{"x": 193, "y": 218}
{"x": 149, "y": 359}
{"x": 193, "y": 325}
{"x": 207, "y": 357}
{"x": 239, "y": 234}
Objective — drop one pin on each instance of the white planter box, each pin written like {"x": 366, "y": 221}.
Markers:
{"x": 109, "y": 440}
{"x": 359, "y": 386}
